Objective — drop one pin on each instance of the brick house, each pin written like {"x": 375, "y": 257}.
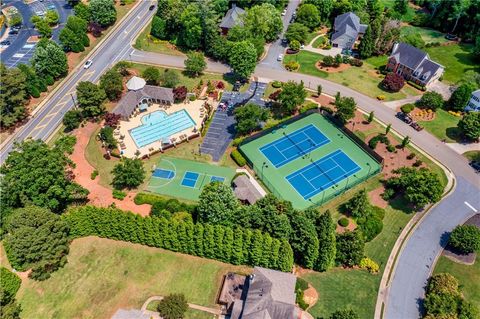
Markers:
{"x": 414, "y": 65}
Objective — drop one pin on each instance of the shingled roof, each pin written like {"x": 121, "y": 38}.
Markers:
{"x": 127, "y": 104}
{"x": 270, "y": 295}
{"x": 244, "y": 189}
{"x": 233, "y": 17}
{"x": 347, "y": 27}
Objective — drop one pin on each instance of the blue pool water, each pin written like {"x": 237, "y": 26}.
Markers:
{"x": 159, "y": 125}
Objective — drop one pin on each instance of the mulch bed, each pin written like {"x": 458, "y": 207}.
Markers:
{"x": 330, "y": 69}
{"x": 421, "y": 115}
{"x": 468, "y": 259}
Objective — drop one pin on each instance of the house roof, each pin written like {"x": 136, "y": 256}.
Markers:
{"x": 347, "y": 27}
{"x": 476, "y": 93}
{"x": 130, "y": 100}
{"x": 136, "y": 83}
{"x": 417, "y": 60}
{"x": 244, "y": 190}
{"x": 270, "y": 295}
{"x": 233, "y": 17}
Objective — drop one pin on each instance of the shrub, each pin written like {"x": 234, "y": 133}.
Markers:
{"x": 292, "y": 66}
{"x": 237, "y": 141}
{"x": 276, "y": 84}
{"x": 431, "y": 100}
{"x": 179, "y": 94}
{"x": 371, "y": 227}
{"x": 411, "y": 156}
{"x": 117, "y": 194}
{"x": 380, "y": 97}
{"x": 173, "y": 306}
{"x": 465, "y": 238}
{"x": 308, "y": 106}
{"x": 370, "y": 265}
{"x": 327, "y": 109}
{"x": 294, "y": 45}
{"x": 94, "y": 174}
{"x": 407, "y": 108}
{"x": 388, "y": 194}
{"x": 301, "y": 284}
{"x": 9, "y": 285}
{"x": 192, "y": 98}
{"x": 417, "y": 163}
{"x": 49, "y": 80}
{"x": 274, "y": 95}
{"x": 299, "y": 299}
{"x": 391, "y": 148}
{"x": 330, "y": 61}
{"x": 356, "y": 62}
{"x": 343, "y": 222}
{"x": 378, "y": 138}
{"x": 417, "y": 86}
{"x": 238, "y": 158}
{"x": 72, "y": 119}
{"x": 393, "y": 82}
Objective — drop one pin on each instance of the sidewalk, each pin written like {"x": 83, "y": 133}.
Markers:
{"x": 461, "y": 148}
{"x": 331, "y": 52}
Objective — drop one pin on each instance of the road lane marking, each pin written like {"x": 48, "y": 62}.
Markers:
{"x": 471, "y": 207}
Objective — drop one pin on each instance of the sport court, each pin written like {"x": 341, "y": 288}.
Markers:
{"x": 176, "y": 177}
{"x": 309, "y": 161}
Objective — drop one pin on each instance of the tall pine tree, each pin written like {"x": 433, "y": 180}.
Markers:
{"x": 326, "y": 237}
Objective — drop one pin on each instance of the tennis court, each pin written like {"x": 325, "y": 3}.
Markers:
{"x": 293, "y": 145}
{"x": 308, "y": 161}
{"x": 185, "y": 179}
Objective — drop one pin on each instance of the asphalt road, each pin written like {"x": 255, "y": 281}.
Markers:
{"x": 416, "y": 260}
{"x": 115, "y": 48}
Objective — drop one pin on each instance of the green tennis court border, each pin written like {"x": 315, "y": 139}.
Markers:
{"x": 275, "y": 178}
{"x": 174, "y": 188}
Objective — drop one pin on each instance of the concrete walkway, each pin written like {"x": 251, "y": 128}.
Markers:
{"x": 397, "y": 103}
{"x": 461, "y": 148}
{"x": 331, "y": 52}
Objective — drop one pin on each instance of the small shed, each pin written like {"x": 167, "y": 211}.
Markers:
{"x": 245, "y": 191}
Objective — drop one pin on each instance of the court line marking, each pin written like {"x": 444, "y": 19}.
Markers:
{"x": 471, "y": 207}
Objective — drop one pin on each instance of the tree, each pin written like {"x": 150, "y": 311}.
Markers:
{"x": 459, "y": 9}
{"x": 195, "y": 63}
{"x": 49, "y": 59}
{"x": 414, "y": 39}
{"x": 180, "y": 94}
{"x": 308, "y": 15}
{"x": 388, "y": 128}
{"x": 191, "y": 34}
{"x": 294, "y": 45}
{"x": 70, "y": 41}
{"x": 405, "y": 141}
{"x": 430, "y": 100}
{"x": 264, "y": 20}
{"x": 37, "y": 239}
{"x": 91, "y": 98}
{"x": 129, "y": 173}
{"x": 13, "y": 96}
{"x": 476, "y": 49}
{"x": 465, "y": 239}
{"x": 72, "y": 119}
{"x": 52, "y": 17}
{"x": 367, "y": 44}
{"x": 371, "y": 117}
{"x": 243, "y": 58}
{"x": 304, "y": 240}
{"x": 459, "y": 98}
{"x": 112, "y": 83}
{"x": 43, "y": 28}
{"x": 291, "y": 96}
{"x": 170, "y": 78}
{"x": 248, "y": 117}
{"x": 401, "y": 6}
{"x": 359, "y": 205}
{"x": 346, "y": 107}
{"x": 74, "y": 35}
{"x": 324, "y": 7}
{"x": 297, "y": 31}
{"x": 112, "y": 119}
{"x": 350, "y": 247}
{"x": 103, "y": 12}
{"x": 152, "y": 75}
{"x": 319, "y": 90}
{"x": 419, "y": 186}
{"x": 326, "y": 238}
{"x": 470, "y": 125}
{"x": 159, "y": 28}
{"x": 9, "y": 285}
{"x": 393, "y": 82}
{"x": 36, "y": 174}
{"x": 173, "y": 306}
{"x": 344, "y": 314}
{"x": 217, "y": 204}
{"x": 106, "y": 135}
{"x": 83, "y": 11}
{"x": 34, "y": 84}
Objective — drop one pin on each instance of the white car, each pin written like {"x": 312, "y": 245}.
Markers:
{"x": 280, "y": 57}
{"x": 88, "y": 64}
{"x": 284, "y": 12}
{"x": 302, "y": 46}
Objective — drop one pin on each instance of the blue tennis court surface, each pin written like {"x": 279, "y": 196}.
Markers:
{"x": 190, "y": 179}
{"x": 217, "y": 179}
{"x": 323, "y": 173}
{"x": 294, "y": 145}
{"x": 163, "y": 173}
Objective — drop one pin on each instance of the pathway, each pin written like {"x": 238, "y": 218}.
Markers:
{"x": 461, "y": 148}
{"x": 330, "y": 52}
{"x": 99, "y": 195}
{"x": 394, "y": 105}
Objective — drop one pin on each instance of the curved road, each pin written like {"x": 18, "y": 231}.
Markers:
{"x": 422, "y": 247}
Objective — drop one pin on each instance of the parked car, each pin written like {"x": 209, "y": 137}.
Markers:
{"x": 5, "y": 42}
{"x": 87, "y": 64}
{"x": 416, "y": 126}
{"x": 404, "y": 117}
{"x": 284, "y": 42}
{"x": 151, "y": 7}
{"x": 475, "y": 165}
{"x": 280, "y": 57}
{"x": 13, "y": 31}
{"x": 237, "y": 86}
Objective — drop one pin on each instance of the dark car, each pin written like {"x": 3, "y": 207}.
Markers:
{"x": 237, "y": 86}
{"x": 404, "y": 117}
{"x": 151, "y": 7}
{"x": 475, "y": 165}
{"x": 5, "y": 42}
{"x": 416, "y": 126}
{"x": 13, "y": 31}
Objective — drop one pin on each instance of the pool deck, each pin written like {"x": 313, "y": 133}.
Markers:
{"x": 192, "y": 108}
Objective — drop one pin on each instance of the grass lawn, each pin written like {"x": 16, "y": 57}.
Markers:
{"x": 468, "y": 276}
{"x": 472, "y": 155}
{"x": 320, "y": 41}
{"x": 428, "y": 35}
{"x": 186, "y": 80}
{"x": 406, "y": 17}
{"x": 363, "y": 79}
{"x": 146, "y": 43}
{"x": 444, "y": 126}
{"x": 103, "y": 275}
{"x": 457, "y": 60}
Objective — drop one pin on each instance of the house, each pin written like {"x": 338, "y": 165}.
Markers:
{"x": 413, "y": 65}
{"x": 347, "y": 29}
{"x": 140, "y": 95}
{"x": 473, "y": 104}
{"x": 265, "y": 294}
{"x": 233, "y": 17}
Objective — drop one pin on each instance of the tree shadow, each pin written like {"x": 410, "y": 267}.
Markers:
{"x": 454, "y": 133}
{"x": 400, "y": 203}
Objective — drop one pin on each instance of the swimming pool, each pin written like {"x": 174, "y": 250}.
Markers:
{"x": 159, "y": 125}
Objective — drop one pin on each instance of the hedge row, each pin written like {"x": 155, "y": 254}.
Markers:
{"x": 233, "y": 245}
{"x": 238, "y": 158}
{"x": 9, "y": 284}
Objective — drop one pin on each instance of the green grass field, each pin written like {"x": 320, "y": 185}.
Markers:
{"x": 363, "y": 79}
{"x": 457, "y": 60}
{"x": 274, "y": 178}
{"x": 173, "y": 187}
{"x": 145, "y": 43}
{"x": 428, "y": 35}
{"x": 472, "y": 155}
{"x": 104, "y": 275}
{"x": 444, "y": 126}
{"x": 468, "y": 276}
